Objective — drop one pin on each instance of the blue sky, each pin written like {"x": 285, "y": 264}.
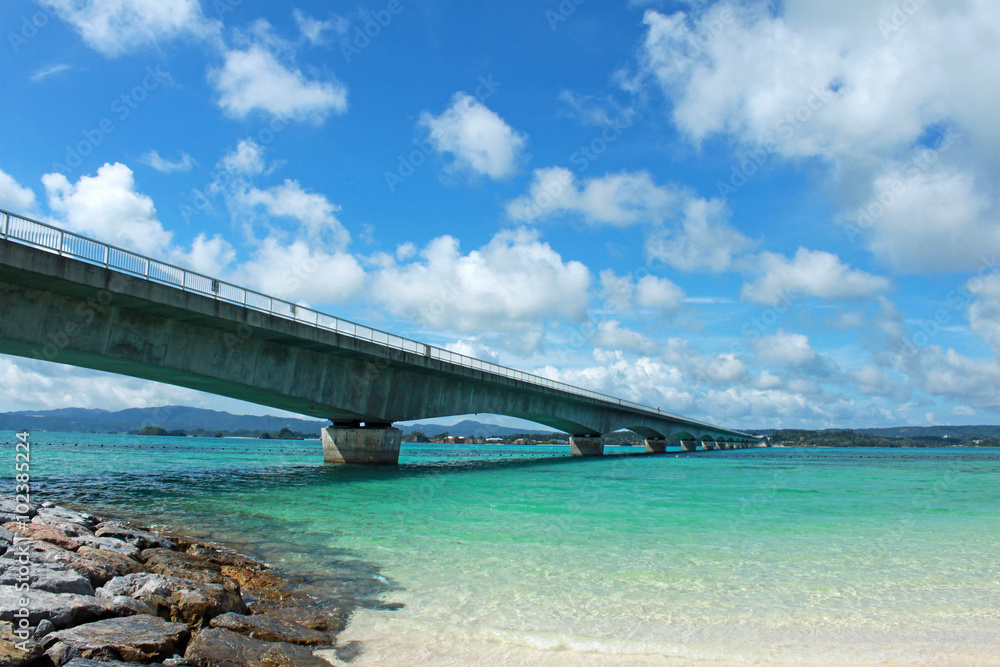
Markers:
{"x": 753, "y": 213}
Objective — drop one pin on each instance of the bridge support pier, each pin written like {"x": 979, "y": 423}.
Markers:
{"x": 656, "y": 445}
{"x": 361, "y": 445}
{"x": 586, "y": 445}
{"x": 689, "y": 445}
{"x": 708, "y": 445}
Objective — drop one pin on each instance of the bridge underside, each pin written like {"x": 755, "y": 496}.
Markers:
{"x": 71, "y": 312}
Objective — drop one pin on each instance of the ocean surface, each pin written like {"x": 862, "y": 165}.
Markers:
{"x": 526, "y": 556}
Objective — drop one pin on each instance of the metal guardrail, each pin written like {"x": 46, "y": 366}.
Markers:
{"x": 44, "y": 236}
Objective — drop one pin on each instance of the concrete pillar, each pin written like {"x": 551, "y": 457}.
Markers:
{"x": 709, "y": 445}
{"x": 656, "y": 445}
{"x": 361, "y": 445}
{"x": 586, "y": 446}
{"x": 689, "y": 445}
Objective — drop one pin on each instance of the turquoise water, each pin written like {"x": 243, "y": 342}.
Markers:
{"x": 528, "y": 556}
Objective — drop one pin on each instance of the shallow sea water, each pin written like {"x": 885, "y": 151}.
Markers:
{"x": 525, "y": 555}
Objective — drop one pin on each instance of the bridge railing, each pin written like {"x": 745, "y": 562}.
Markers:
{"x": 41, "y": 235}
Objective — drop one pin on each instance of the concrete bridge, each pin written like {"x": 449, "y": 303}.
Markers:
{"x": 69, "y": 299}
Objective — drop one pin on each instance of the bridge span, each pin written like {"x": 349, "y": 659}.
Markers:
{"x": 70, "y": 299}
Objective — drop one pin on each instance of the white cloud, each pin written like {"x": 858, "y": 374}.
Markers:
{"x": 616, "y": 291}
{"x": 514, "y": 280}
{"x": 658, "y": 293}
{"x": 859, "y": 90}
{"x": 984, "y": 312}
{"x": 247, "y": 159}
{"x": 644, "y": 380}
{"x": 114, "y": 27}
{"x": 705, "y": 242}
{"x": 474, "y": 347}
{"x": 872, "y": 381}
{"x": 318, "y": 32}
{"x": 811, "y": 273}
{"x": 964, "y": 411}
{"x": 108, "y": 207}
{"x": 46, "y": 72}
{"x": 314, "y": 211}
{"x": 785, "y": 348}
{"x": 774, "y": 408}
{"x": 620, "y": 199}
{"x": 302, "y": 271}
{"x": 208, "y": 256}
{"x": 479, "y": 140}
{"x": 15, "y": 197}
{"x": 255, "y": 78}
{"x": 951, "y": 374}
{"x": 932, "y": 220}
{"x": 162, "y": 165}
{"x": 610, "y": 334}
{"x": 725, "y": 368}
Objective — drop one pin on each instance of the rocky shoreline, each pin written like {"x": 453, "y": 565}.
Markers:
{"x": 79, "y": 591}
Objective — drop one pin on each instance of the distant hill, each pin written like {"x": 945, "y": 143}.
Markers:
{"x": 903, "y": 431}
{"x": 931, "y": 431}
{"x": 171, "y": 418}
{"x": 182, "y": 418}
{"x": 468, "y": 428}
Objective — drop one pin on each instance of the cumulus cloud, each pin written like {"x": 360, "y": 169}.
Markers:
{"x": 302, "y": 271}
{"x": 785, "y": 348}
{"x": 643, "y": 380}
{"x": 984, "y": 311}
{"x": 932, "y": 220}
{"x": 619, "y": 199}
{"x": 115, "y": 27}
{"x": 210, "y": 256}
{"x": 951, "y": 374}
{"x": 15, "y": 197}
{"x": 811, "y": 273}
{"x": 262, "y": 76}
{"x": 164, "y": 166}
{"x": 611, "y": 334}
{"x": 658, "y": 293}
{"x": 108, "y": 207}
{"x": 318, "y": 32}
{"x": 857, "y": 87}
{"x": 247, "y": 159}
{"x": 478, "y": 140}
{"x": 514, "y": 280}
{"x": 873, "y": 381}
{"x": 314, "y": 211}
{"x": 705, "y": 242}
{"x": 476, "y": 348}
